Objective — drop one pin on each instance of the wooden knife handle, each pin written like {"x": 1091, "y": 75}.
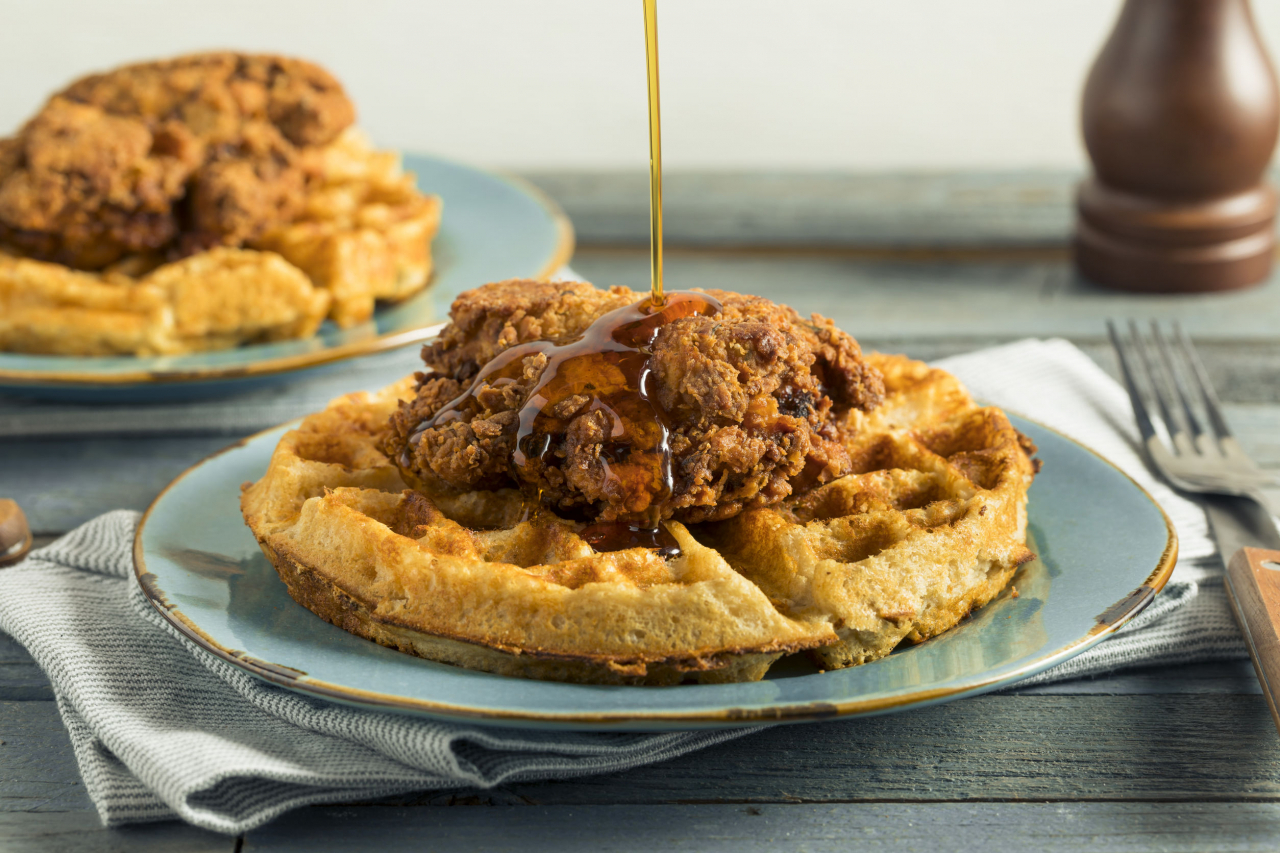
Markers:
{"x": 15, "y": 535}
{"x": 1253, "y": 587}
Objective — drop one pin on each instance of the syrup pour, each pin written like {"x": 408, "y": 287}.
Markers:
{"x": 604, "y": 371}
{"x": 655, "y": 151}
{"x": 608, "y": 365}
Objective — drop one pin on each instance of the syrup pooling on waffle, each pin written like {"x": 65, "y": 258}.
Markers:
{"x": 605, "y": 370}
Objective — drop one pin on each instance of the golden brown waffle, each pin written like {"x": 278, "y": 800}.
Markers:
{"x": 365, "y": 235}
{"x": 931, "y": 526}
{"x": 365, "y": 232}
{"x": 213, "y": 300}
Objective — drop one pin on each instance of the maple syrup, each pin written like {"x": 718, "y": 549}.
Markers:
{"x": 655, "y": 152}
{"x": 608, "y": 365}
{"x": 618, "y": 536}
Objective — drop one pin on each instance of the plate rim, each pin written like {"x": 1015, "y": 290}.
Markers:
{"x": 561, "y": 255}
{"x": 1118, "y": 615}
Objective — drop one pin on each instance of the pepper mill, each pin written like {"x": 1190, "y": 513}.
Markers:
{"x": 1180, "y": 117}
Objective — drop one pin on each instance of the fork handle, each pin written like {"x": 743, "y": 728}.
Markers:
{"x": 1253, "y": 587}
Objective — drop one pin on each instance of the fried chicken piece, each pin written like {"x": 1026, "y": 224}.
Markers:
{"x": 82, "y": 187}
{"x": 244, "y": 190}
{"x": 179, "y": 155}
{"x": 752, "y": 397}
{"x": 214, "y": 94}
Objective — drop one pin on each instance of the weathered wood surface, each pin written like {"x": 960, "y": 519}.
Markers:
{"x": 817, "y": 209}
{"x": 38, "y": 770}
{"x": 233, "y": 416}
{"x": 912, "y": 297}
{"x": 20, "y": 678}
{"x": 971, "y": 210}
{"x": 1008, "y": 747}
{"x": 74, "y": 833}
{"x": 60, "y": 484}
{"x": 1065, "y": 827}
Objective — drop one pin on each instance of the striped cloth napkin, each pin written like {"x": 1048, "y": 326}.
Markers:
{"x": 162, "y": 729}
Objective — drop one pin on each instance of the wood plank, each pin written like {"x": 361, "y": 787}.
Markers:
{"x": 1145, "y": 747}
{"x": 83, "y": 833}
{"x": 61, "y": 484}
{"x": 233, "y": 416}
{"x": 971, "y": 209}
{"x": 11, "y": 652}
{"x": 38, "y": 771}
{"x": 1003, "y": 747}
{"x": 24, "y": 682}
{"x": 986, "y": 827}
{"x": 884, "y": 299}
{"x": 20, "y": 677}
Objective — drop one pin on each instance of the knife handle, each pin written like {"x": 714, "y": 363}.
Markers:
{"x": 1253, "y": 587}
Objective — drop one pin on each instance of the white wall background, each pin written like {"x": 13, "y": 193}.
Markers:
{"x": 536, "y": 84}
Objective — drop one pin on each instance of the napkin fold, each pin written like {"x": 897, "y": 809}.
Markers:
{"x": 162, "y": 728}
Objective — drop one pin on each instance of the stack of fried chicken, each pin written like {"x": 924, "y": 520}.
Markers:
{"x": 199, "y": 203}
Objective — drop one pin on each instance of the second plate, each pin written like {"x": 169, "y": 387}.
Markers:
{"x": 493, "y": 228}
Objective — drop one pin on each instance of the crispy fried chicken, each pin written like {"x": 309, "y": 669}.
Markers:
{"x": 173, "y": 157}
{"x": 752, "y": 396}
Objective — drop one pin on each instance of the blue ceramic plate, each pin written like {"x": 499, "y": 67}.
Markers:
{"x": 1105, "y": 549}
{"x": 493, "y": 228}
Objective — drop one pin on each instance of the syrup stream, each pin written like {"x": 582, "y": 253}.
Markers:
{"x": 608, "y": 364}
{"x": 655, "y": 152}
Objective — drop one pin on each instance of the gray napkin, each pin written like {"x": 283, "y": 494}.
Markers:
{"x": 162, "y": 729}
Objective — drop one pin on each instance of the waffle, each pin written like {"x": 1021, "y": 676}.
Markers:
{"x": 364, "y": 235}
{"x": 365, "y": 232}
{"x": 214, "y": 300}
{"x": 930, "y": 526}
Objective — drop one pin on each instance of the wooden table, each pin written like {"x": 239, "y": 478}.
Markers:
{"x": 1171, "y": 758}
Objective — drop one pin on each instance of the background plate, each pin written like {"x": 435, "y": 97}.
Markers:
{"x": 493, "y": 228}
{"x": 1105, "y": 549}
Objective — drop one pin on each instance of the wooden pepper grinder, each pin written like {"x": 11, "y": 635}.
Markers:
{"x": 1180, "y": 118}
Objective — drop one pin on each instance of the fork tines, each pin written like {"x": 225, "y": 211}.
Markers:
{"x": 1171, "y": 374}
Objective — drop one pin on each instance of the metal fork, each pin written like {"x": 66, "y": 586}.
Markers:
{"x": 1195, "y": 459}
